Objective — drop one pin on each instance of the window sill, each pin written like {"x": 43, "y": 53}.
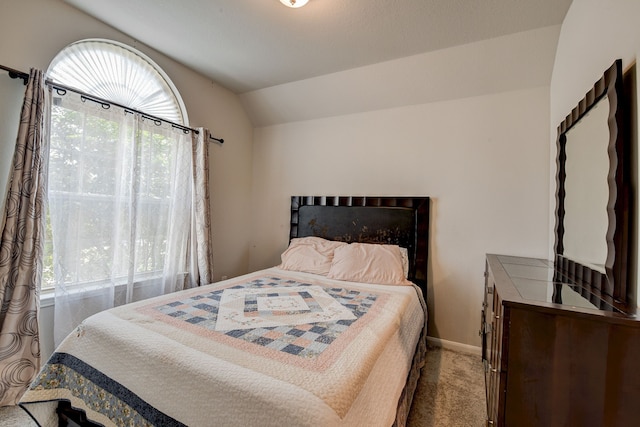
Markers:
{"x": 47, "y": 298}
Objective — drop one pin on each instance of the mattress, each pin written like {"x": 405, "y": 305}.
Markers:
{"x": 270, "y": 348}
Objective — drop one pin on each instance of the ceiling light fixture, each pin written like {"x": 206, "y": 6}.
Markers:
{"x": 294, "y": 3}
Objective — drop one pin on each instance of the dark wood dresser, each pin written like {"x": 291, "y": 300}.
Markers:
{"x": 554, "y": 353}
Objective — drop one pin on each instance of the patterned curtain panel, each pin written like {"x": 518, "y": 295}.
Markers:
{"x": 21, "y": 247}
{"x": 202, "y": 258}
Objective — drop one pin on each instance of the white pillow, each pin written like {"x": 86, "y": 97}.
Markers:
{"x": 368, "y": 263}
{"x": 310, "y": 255}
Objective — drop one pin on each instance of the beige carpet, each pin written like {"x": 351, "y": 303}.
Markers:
{"x": 450, "y": 394}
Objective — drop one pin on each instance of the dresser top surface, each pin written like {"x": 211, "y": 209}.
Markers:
{"x": 536, "y": 282}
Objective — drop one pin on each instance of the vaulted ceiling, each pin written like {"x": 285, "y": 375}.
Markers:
{"x": 247, "y": 45}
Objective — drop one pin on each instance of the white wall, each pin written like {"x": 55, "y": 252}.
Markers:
{"x": 483, "y": 160}
{"x": 11, "y": 97}
{"x": 32, "y": 32}
{"x": 594, "y": 34}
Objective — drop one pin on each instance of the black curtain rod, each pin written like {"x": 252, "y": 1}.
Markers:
{"x": 15, "y": 74}
{"x": 62, "y": 90}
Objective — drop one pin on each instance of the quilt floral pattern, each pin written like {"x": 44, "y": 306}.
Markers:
{"x": 95, "y": 391}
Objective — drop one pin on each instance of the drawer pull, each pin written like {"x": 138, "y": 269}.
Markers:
{"x": 489, "y": 422}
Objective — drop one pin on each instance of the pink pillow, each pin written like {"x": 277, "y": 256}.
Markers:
{"x": 310, "y": 255}
{"x": 368, "y": 263}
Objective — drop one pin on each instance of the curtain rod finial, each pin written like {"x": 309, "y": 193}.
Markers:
{"x": 220, "y": 140}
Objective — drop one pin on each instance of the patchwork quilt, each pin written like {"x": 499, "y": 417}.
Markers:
{"x": 270, "y": 348}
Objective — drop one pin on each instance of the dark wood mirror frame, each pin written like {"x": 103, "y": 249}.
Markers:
{"x": 612, "y": 285}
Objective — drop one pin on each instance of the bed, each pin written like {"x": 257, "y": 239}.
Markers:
{"x": 314, "y": 341}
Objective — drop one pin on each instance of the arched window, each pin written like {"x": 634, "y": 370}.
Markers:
{"x": 120, "y": 182}
{"x": 119, "y": 73}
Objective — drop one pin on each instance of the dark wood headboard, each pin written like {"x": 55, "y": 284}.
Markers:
{"x": 402, "y": 221}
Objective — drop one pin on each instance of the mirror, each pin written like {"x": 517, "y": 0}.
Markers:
{"x": 587, "y": 189}
{"x": 593, "y": 192}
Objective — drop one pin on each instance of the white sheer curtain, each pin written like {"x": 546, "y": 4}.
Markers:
{"x": 121, "y": 208}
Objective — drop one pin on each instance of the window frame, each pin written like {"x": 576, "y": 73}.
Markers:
{"x": 147, "y": 277}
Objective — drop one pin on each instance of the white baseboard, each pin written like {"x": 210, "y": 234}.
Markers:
{"x": 452, "y": 345}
